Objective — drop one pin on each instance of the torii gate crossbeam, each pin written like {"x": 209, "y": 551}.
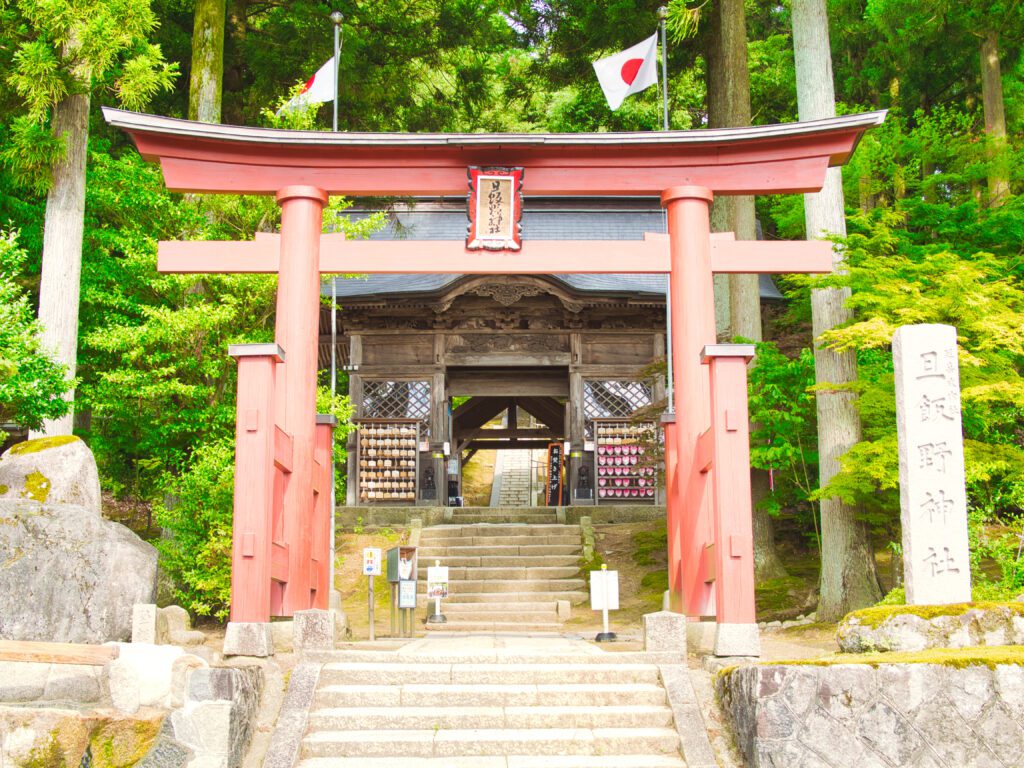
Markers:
{"x": 280, "y": 544}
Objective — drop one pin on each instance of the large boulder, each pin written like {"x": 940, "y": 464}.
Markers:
{"x": 68, "y": 575}
{"x": 54, "y": 470}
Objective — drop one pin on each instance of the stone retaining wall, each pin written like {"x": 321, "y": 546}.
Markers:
{"x": 898, "y": 714}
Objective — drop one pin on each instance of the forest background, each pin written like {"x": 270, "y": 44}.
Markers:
{"x": 936, "y": 227}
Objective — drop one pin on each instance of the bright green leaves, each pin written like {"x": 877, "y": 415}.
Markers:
{"x": 31, "y": 384}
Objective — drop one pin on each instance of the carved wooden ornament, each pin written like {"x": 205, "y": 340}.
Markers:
{"x": 495, "y": 209}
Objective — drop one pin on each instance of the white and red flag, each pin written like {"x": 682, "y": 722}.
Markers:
{"x": 629, "y": 71}
{"x": 319, "y": 88}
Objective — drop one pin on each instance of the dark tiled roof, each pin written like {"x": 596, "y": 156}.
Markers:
{"x": 546, "y": 219}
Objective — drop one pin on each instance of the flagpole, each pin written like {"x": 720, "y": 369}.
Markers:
{"x": 337, "y": 17}
{"x": 670, "y": 385}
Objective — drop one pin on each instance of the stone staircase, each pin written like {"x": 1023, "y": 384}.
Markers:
{"x": 505, "y": 577}
{"x": 379, "y": 710}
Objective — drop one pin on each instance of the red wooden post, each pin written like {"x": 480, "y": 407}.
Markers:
{"x": 693, "y": 326}
{"x": 737, "y": 633}
{"x": 321, "y": 554}
{"x": 298, "y": 309}
{"x": 254, "y": 481}
{"x": 673, "y": 513}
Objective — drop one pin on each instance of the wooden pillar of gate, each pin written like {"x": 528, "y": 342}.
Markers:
{"x": 296, "y": 329}
{"x": 693, "y": 327}
{"x": 725, "y": 453}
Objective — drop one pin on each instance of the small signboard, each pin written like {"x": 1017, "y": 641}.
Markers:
{"x": 407, "y": 594}
{"x": 604, "y": 590}
{"x": 372, "y": 561}
{"x": 495, "y": 209}
{"x": 437, "y": 581}
{"x": 553, "y": 492}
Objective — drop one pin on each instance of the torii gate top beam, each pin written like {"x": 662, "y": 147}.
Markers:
{"x": 200, "y": 157}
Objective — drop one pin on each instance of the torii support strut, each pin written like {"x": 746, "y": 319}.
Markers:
{"x": 710, "y": 547}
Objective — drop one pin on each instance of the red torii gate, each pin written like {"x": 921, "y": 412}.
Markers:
{"x": 281, "y": 519}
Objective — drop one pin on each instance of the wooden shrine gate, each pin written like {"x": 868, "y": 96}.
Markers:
{"x": 281, "y": 516}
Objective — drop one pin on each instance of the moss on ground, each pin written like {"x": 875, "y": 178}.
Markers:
{"x": 42, "y": 444}
{"x": 876, "y": 616}
{"x": 959, "y": 658}
{"x": 649, "y": 547}
{"x": 776, "y": 595}
{"x": 3, "y": 489}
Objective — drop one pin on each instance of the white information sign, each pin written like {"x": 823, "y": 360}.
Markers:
{"x": 604, "y": 590}
{"x": 372, "y": 561}
{"x": 437, "y": 581}
{"x": 933, "y": 501}
{"x": 407, "y": 594}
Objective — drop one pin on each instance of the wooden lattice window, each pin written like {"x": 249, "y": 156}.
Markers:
{"x": 397, "y": 400}
{"x": 604, "y": 399}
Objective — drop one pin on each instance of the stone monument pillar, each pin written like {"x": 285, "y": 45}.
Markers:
{"x": 933, "y": 500}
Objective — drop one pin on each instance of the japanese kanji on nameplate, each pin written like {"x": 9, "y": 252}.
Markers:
{"x": 495, "y": 208}
{"x": 933, "y": 500}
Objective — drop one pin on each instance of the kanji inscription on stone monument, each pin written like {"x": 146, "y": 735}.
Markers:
{"x": 933, "y": 500}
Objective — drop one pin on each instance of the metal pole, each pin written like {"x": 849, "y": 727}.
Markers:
{"x": 337, "y": 17}
{"x": 670, "y": 386}
{"x": 369, "y": 598}
{"x": 663, "y": 15}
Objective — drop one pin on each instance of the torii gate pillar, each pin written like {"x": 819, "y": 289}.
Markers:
{"x": 296, "y": 330}
{"x": 693, "y": 327}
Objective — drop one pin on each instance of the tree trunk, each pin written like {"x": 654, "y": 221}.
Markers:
{"x": 729, "y": 106}
{"x": 204, "y": 95}
{"x": 995, "y": 120}
{"x": 60, "y": 284}
{"x": 848, "y": 575}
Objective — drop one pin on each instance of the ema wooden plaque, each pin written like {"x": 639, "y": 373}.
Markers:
{"x": 495, "y": 209}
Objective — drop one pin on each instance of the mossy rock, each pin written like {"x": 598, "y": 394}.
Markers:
{"x": 958, "y": 658}
{"x": 55, "y": 470}
{"x": 122, "y": 743}
{"x": 876, "y": 616}
{"x": 40, "y": 444}
{"x": 918, "y": 627}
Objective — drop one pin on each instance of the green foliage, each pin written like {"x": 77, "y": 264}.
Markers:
{"x": 32, "y": 385}
{"x": 62, "y": 48}
{"x": 197, "y": 516}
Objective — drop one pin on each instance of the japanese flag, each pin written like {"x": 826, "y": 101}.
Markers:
{"x": 629, "y": 71}
{"x": 319, "y": 88}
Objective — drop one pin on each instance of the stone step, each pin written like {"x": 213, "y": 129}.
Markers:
{"x": 572, "y": 595}
{"x": 492, "y": 695}
{"x": 489, "y": 529}
{"x": 405, "y": 673}
{"x": 531, "y": 573}
{"x": 498, "y": 550}
{"x": 512, "y": 761}
{"x": 490, "y": 539}
{"x": 463, "y": 717}
{"x": 479, "y": 586}
{"x": 486, "y": 741}
{"x": 532, "y": 618}
{"x": 470, "y": 625}
{"x": 513, "y": 517}
{"x": 505, "y": 561}
{"x": 505, "y": 606}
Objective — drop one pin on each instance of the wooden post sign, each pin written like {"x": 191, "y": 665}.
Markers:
{"x": 495, "y": 209}
{"x": 553, "y": 492}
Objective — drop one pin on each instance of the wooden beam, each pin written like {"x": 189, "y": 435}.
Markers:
{"x": 476, "y": 412}
{"x": 57, "y": 653}
{"x": 501, "y": 445}
{"x": 537, "y": 257}
{"x": 547, "y": 409}
{"x": 509, "y": 434}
